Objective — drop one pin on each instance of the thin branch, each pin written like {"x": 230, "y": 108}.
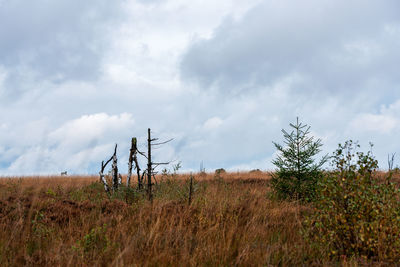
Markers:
{"x": 154, "y": 177}
{"x": 161, "y": 163}
{"x": 141, "y": 153}
{"x": 104, "y": 166}
{"x": 162, "y": 143}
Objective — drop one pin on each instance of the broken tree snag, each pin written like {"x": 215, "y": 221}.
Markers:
{"x": 102, "y": 178}
{"x": 149, "y": 168}
{"x": 131, "y": 152}
{"x": 114, "y": 170}
{"x": 142, "y": 177}
{"x": 140, "y": 181}
{"x": 133, "y": 158}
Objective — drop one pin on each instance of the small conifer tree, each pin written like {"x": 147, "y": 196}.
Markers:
{"x": 297, "y": 172}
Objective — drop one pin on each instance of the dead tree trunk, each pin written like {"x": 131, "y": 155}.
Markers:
{"x": 133, "y": 159}
{"x": 149, "y": 167}
{"x": 115, "y": 180}
{"x": 140, "y": 180}
{"x": 131, "y": 152}
{"x": 102, "y": 178}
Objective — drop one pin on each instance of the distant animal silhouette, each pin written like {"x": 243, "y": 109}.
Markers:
{"x": 63, "y": 173}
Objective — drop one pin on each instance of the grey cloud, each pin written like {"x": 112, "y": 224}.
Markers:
{"x": 285, "y": 58}
{"x": 149, "y": 2}
{"x": 53, "y": 40}
{"x": 329, "y": 45}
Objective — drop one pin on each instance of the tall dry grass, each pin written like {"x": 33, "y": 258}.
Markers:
{"x": 232, "y": 221}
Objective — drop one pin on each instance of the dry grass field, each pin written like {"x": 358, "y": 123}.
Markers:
{"x": 232, "y": 221}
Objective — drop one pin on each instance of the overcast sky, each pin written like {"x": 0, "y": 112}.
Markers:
{"x": 220, "y": 77}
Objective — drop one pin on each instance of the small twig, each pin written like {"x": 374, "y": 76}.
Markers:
{"x": 141, "y": 153}
{"x": 162, "y": 143}
{"x": 390, "y": 163}
{"x": 154, "y": 176}
{"x": 160, "y": 163}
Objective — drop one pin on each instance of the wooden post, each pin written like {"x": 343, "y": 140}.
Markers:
{"x": 149, "y": 167}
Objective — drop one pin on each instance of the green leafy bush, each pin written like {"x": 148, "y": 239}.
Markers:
{"x": 41, "y": 234}
{"x": 297, "y": 172}
{"x": 93, "y": 243}
{"x": 356, "y": 215}
{"x": 93, "y": 192}
{"x": 220, "y": 171}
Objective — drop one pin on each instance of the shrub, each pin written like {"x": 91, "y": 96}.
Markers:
{"x": 297, "y": 173}
{"x": 220, "y": 171}
{"x": 94, "y": 243}
{"x": 356, "y": 214}
{"x": 165, "y": 173}
{"x": 258, "y": 171}
{"x": 40, "y": 236}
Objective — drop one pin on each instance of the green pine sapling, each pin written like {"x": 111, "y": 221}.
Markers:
{"x": 297, "y": 172}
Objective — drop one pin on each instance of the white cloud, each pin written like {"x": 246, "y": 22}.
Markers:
{"x": 89, "y": 128}
{"x": 222, "y": 78}
{"x": 212, "y": 123}
{"x": 75, "y": 145}
{"x": 333, "y": 49}
{"x": 375, "y": 123}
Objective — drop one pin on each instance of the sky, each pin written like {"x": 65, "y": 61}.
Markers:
{"x": 220, "y": 77}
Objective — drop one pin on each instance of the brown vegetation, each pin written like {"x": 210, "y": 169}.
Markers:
{"x": 71, "y": 221}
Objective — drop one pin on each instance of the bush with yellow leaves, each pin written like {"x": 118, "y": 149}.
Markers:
{"x": 356, "y": 214}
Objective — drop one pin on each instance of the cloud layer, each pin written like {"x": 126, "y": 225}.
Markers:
{"x": 57, "y": 41}
{"x": 339, "y": 47}
{"x": 221, "y": 78}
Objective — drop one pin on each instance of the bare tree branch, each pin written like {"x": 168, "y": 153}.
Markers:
{"x": 141, "y": 153}
{"x": 162, "y": 143}
{"x": 103, "y": 166}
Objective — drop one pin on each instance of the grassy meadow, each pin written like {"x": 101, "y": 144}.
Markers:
{"x": 233, "y": 220}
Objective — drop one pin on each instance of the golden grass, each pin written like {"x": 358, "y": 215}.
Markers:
{"x": 70, "y": 221}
